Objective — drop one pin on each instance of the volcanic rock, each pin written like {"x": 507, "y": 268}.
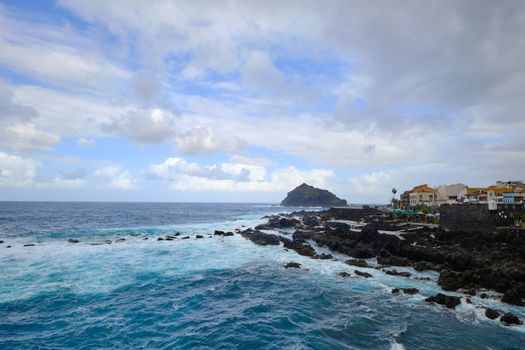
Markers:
{"x": 292, "y": 265}
{"x": 446, "y": 300}
{"x": 309, "y": 196}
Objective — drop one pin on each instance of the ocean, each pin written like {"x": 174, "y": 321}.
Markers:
{"x": 210, "y": 293}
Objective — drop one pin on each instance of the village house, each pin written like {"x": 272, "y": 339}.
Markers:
{"x": 450, "y": 194}
{"x": 419, "y": 195}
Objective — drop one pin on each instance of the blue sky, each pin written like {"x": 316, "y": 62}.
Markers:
{"x": 244, "y": 100}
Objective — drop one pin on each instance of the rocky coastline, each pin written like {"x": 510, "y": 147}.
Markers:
{"x": 471, "y": 263}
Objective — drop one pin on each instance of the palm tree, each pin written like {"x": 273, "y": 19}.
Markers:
{"x": 394, "y": 191}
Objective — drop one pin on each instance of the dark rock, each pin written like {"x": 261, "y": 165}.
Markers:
{"x": 510, "y": 318}
{"x": 470, "y": 292}
{"x": 398, "y": 273}
{"x": 405, "y": 290}
{"x": 309, "y": 196}
{"x": 300, "y": 247}
{"x": 2, "y": 242}
{"x": 344, "y": 274}
{"x": 108, "y": 241}
{"x": 292, "y": 265}
{"x": 483, "y": 296}
{"x": 393, "y": 260}
{"x": 177, "y": 234}
{"x": 261, "y": 238}
{"x": 218, "y": 233}
{"x": 71, "y": 240}
{"x": 199, "y": 236}
{"x": 513, "y": 297}
{"x": 168, "y": 238}
{"x": 468, "y": 301}
{"x": 29, "y": 245}
{"x": 160, "y": 239}
{"x": 423, "y": 266}
{"x": 277, "y": 222}
{"x": 450, "y": 280}
{"x": 447, "y": 300}
{"x": 227, "y": 234}
{"x": 491, "y": 313}
{"x": 362, "y": 274}
{"x": 311, "y": 220}
{"x": 145, "y": 238}
{"x": 356, "y": 262}
{"x": 120, "y": 240}
{"x": 423, "y": 278}
{"x": 8, "y": 246}
{"x": 324, "y": 256}
{"x": 186, "y": 237}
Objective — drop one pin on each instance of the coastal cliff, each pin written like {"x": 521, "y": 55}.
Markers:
{"x": 309, "y": 196}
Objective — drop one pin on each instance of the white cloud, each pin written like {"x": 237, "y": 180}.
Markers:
{"x": 202, "y": 140}
{"x": 144, "y": 126}
{"x": 17, "y": 171}
{"x": 241, "y": 159}
{"x": 115, "y": 177}
{"x": 234, "y": 177}
{"x": 25, "y": 137}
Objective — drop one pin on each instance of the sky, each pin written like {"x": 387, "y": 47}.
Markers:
{"x": 241, "y": 101}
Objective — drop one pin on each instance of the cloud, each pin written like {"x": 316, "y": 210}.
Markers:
{"x": 16, "y": 171}
{"x": 144, "y": 126}
{"x": 241, "y": 159}
{"x": 10, "y": 110}
{"x": 115, "y": 177}
{"x": 25, "y": 137}
{"x": 202, "y": 140}
{"x": 235, "y": 177}
{"x": 85, "y": 142}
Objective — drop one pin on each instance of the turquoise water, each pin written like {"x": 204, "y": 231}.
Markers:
{"x": 211, "y": 293}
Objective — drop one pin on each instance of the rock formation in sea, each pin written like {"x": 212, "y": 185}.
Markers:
{"x": 309, "y": 196}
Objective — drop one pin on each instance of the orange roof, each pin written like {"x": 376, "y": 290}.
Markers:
{"x": 475, "y": 190}
{"x": 423, "y": 188}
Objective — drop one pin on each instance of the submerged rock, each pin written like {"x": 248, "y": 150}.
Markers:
{"x": 309, "y": 196}
{"x": 398, "y": 273}
{"x": 356, "y": 262}
{"x": 362, "y": 274}
{"x": 344, "y": 274}
{"x": 446, "y": 300}
{"x": 510, "y": 318}
{"x": 293, "y": 265}
{"x": 71, "y": 240}
{"x": 108, "y": 241}
{"x": 491, "y": 313}
{"x": 120, "y": 240}
{"x": 324, "y": 256}
{"x": 405, "y": 290}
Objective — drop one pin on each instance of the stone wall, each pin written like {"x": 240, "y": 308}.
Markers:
{"x": 466, "y": 217}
